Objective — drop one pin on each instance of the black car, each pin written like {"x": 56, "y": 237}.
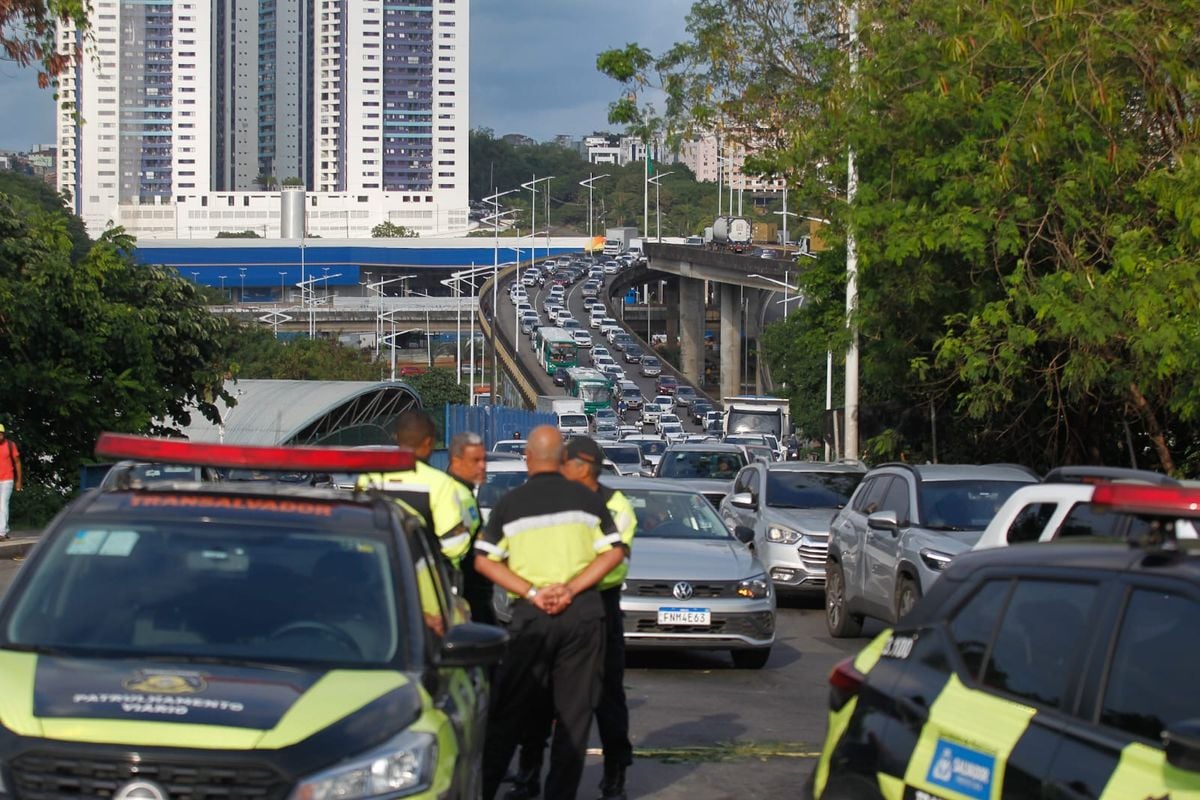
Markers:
{"x": 255, "y": 638}
{"x": 633, "y": 354}
{"x": 1058, "y": 670}
{"x": 560, "y": 376}
{"x": 698, "y": 410}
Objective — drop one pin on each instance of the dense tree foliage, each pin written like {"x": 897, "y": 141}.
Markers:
{"x": 255, "y": 353}
{"x": 686, "y": 205}
{"x": 95, "y": 343}
{"x": 1028, "y": 185}
{"x": 390, "y": 230}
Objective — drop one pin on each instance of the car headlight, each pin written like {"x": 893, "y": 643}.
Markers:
{"x": 756, "y": 587}
{"x": 782, "y": 536}
{"x": 936, "y": 560}
{"x": 402, "y": 766}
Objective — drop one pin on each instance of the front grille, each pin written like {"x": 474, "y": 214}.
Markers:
{"x": 64, "y": 776}
{"x": 700, "y": 591}
{"x": 813, "y": 551}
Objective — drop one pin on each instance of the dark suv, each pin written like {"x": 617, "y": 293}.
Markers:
{"x": 1034, "y": 671}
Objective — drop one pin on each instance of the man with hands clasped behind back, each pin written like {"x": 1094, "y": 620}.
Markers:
{"x": 548, "y": 542}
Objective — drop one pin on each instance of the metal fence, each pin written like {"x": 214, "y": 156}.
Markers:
{"x": 494, "y": 423}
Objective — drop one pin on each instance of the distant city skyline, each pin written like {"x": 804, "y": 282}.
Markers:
{"x": 533, "y": 67}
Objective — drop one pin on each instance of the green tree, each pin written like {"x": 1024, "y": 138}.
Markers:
{"x": 390, "y": 230}
{"x": 438, "y": 388}
{"x": 238, "y": 235}
{"x": 292, "y": 180}
{"x": 99, "y": 344}
{"x": 1025, "y": 216}
{"x": 256, "y": 354}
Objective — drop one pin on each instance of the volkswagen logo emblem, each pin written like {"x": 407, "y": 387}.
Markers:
{"x": 683, "y": 591}
{"x": 140, "y": 790}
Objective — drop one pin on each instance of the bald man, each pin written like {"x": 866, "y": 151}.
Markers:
{"x": 548, "y": 542}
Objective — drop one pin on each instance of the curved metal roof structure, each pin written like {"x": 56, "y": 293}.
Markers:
{"x": 270, "y": 412}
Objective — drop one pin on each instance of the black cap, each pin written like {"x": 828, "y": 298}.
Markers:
{"x": 583, "y": 448}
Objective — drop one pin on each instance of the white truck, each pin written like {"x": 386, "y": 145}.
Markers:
{"x": 572, "y": 420}
{"x": 757, "y": 414}
{"x": 616, "y": 240}
{"x": 637, "y": 249}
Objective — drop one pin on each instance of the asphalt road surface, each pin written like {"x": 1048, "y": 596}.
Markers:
{"x": 703, "y": 730}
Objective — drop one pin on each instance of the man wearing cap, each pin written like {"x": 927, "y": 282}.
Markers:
{"x": 548, "y": 542}
{"x": 10, "y": 477}
{"x": 447, "y": 507}
{"x": 582, "y": 459}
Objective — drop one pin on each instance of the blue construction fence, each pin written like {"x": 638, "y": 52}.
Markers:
{"x": 494, "y": 423}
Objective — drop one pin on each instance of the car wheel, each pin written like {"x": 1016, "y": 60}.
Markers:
{"x": 841, "y": 623}
{"x": 907, "y": 595}
{"x": 751, "y": 659}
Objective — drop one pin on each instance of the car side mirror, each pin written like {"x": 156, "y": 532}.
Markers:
{"x": 1183, "y": 745}
{"x": 472, "y": 644}
{"x": 743, "y": 500}
{"x": 884, "y": 521}
{"x": 744, "y": 533}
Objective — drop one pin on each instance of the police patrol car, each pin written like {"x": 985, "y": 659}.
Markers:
{"x": 1035, "y": 671}
{"x": 239, "y": 640}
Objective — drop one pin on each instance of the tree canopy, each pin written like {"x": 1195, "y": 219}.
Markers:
{"x": 28, "y": 29}
{"x": 1028, "y": 181}
{"x": 94, "y": 343}
{"x": 390, "y": 230}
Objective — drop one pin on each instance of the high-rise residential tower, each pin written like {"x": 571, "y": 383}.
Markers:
{"x": 364, "y": 102}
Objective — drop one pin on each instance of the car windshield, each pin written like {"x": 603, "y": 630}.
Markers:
{"x": 653, "y": 447}
{"x": 572, "y": 421}
{"x": 700, "y": 464}
{"x": 675, "y": 515}
{"x": 788, "y": 489}
{"x": 225, "y": 591}
{"x": 623, "y": 454}
{"x": 963, "y": 505}
{"x": 497, "y": 484}
{"x": 509, "y": 447}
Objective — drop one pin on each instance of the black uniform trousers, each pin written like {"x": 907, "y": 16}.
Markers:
{"x": 612, "y": 711}
{"x": 551, "y": 661}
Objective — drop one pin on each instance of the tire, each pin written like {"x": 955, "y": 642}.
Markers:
{"x": 907, "y": 595}
{"x": 751, "y": 659}
{"x": 841, "y": 623}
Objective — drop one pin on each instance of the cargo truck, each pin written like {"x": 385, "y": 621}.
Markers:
{"x": 757, "y": 414}
{"x": 616, "y": 240}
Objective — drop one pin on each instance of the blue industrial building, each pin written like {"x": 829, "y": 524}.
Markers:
{"x": 267, "y": 269}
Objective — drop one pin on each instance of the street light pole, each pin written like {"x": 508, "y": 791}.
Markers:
{"x": 242, "y": 296}
{"x": 588, "y": 183}
{"x": 657, "y": 207}
{"x": 532, "y": 187}
{"x": 785, "y": 214}
{"x": 494, "y": 218}
{"x": 222, "y": 277}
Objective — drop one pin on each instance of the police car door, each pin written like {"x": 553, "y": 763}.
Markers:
{"x": 1144, "y": 689}
{"x": 985, "y": 722}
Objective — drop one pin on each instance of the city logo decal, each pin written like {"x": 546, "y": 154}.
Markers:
{"x": 962, "y": 769}
{"x": 155, "y": 682}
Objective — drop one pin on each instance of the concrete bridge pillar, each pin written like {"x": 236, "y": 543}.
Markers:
{"x": 691, "y": 329}
{"x": 731, "y": 340}
{"x": 670, "y": 301}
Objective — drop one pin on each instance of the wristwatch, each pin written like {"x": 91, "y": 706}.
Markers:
{"x": 532, "y": 593}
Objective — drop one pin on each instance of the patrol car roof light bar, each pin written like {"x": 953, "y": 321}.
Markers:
{"x": 297, "y": 458}
{"x": 1140, "y": 499}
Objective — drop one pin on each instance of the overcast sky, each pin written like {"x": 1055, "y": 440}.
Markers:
{"x": 533, "y": 67}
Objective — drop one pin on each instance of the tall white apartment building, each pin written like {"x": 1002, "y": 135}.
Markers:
{"x": 141, "y": 93}
{"x": 188, "y": 106}
{"x": 709, "y": 157}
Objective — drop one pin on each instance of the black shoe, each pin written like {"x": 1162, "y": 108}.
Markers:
{"x": 612, "y": 786}
{"x": 525, "y": 786}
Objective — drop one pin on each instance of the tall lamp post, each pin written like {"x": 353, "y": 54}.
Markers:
{"x": 657, "y": 208}
{"x": 532, "y": 187}
{"x": 242, "y": 295}
{"x": 494, "y": 218}
{"x": 222, "y": 277}
{"x": 588, "y": 183}
{"x": 379, "y": 319}
{"x": 785, "y": 214}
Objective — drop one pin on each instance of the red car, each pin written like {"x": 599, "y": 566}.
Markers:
{"x": 666, "y": 384}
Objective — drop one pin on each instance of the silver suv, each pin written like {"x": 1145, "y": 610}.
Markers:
{"x": 789, "y": 506}
{"x": 902, "y": 527}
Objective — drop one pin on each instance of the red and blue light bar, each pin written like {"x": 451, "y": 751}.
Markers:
{"x": 286, "y": 459}
{"x": 1178, "y": 501}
